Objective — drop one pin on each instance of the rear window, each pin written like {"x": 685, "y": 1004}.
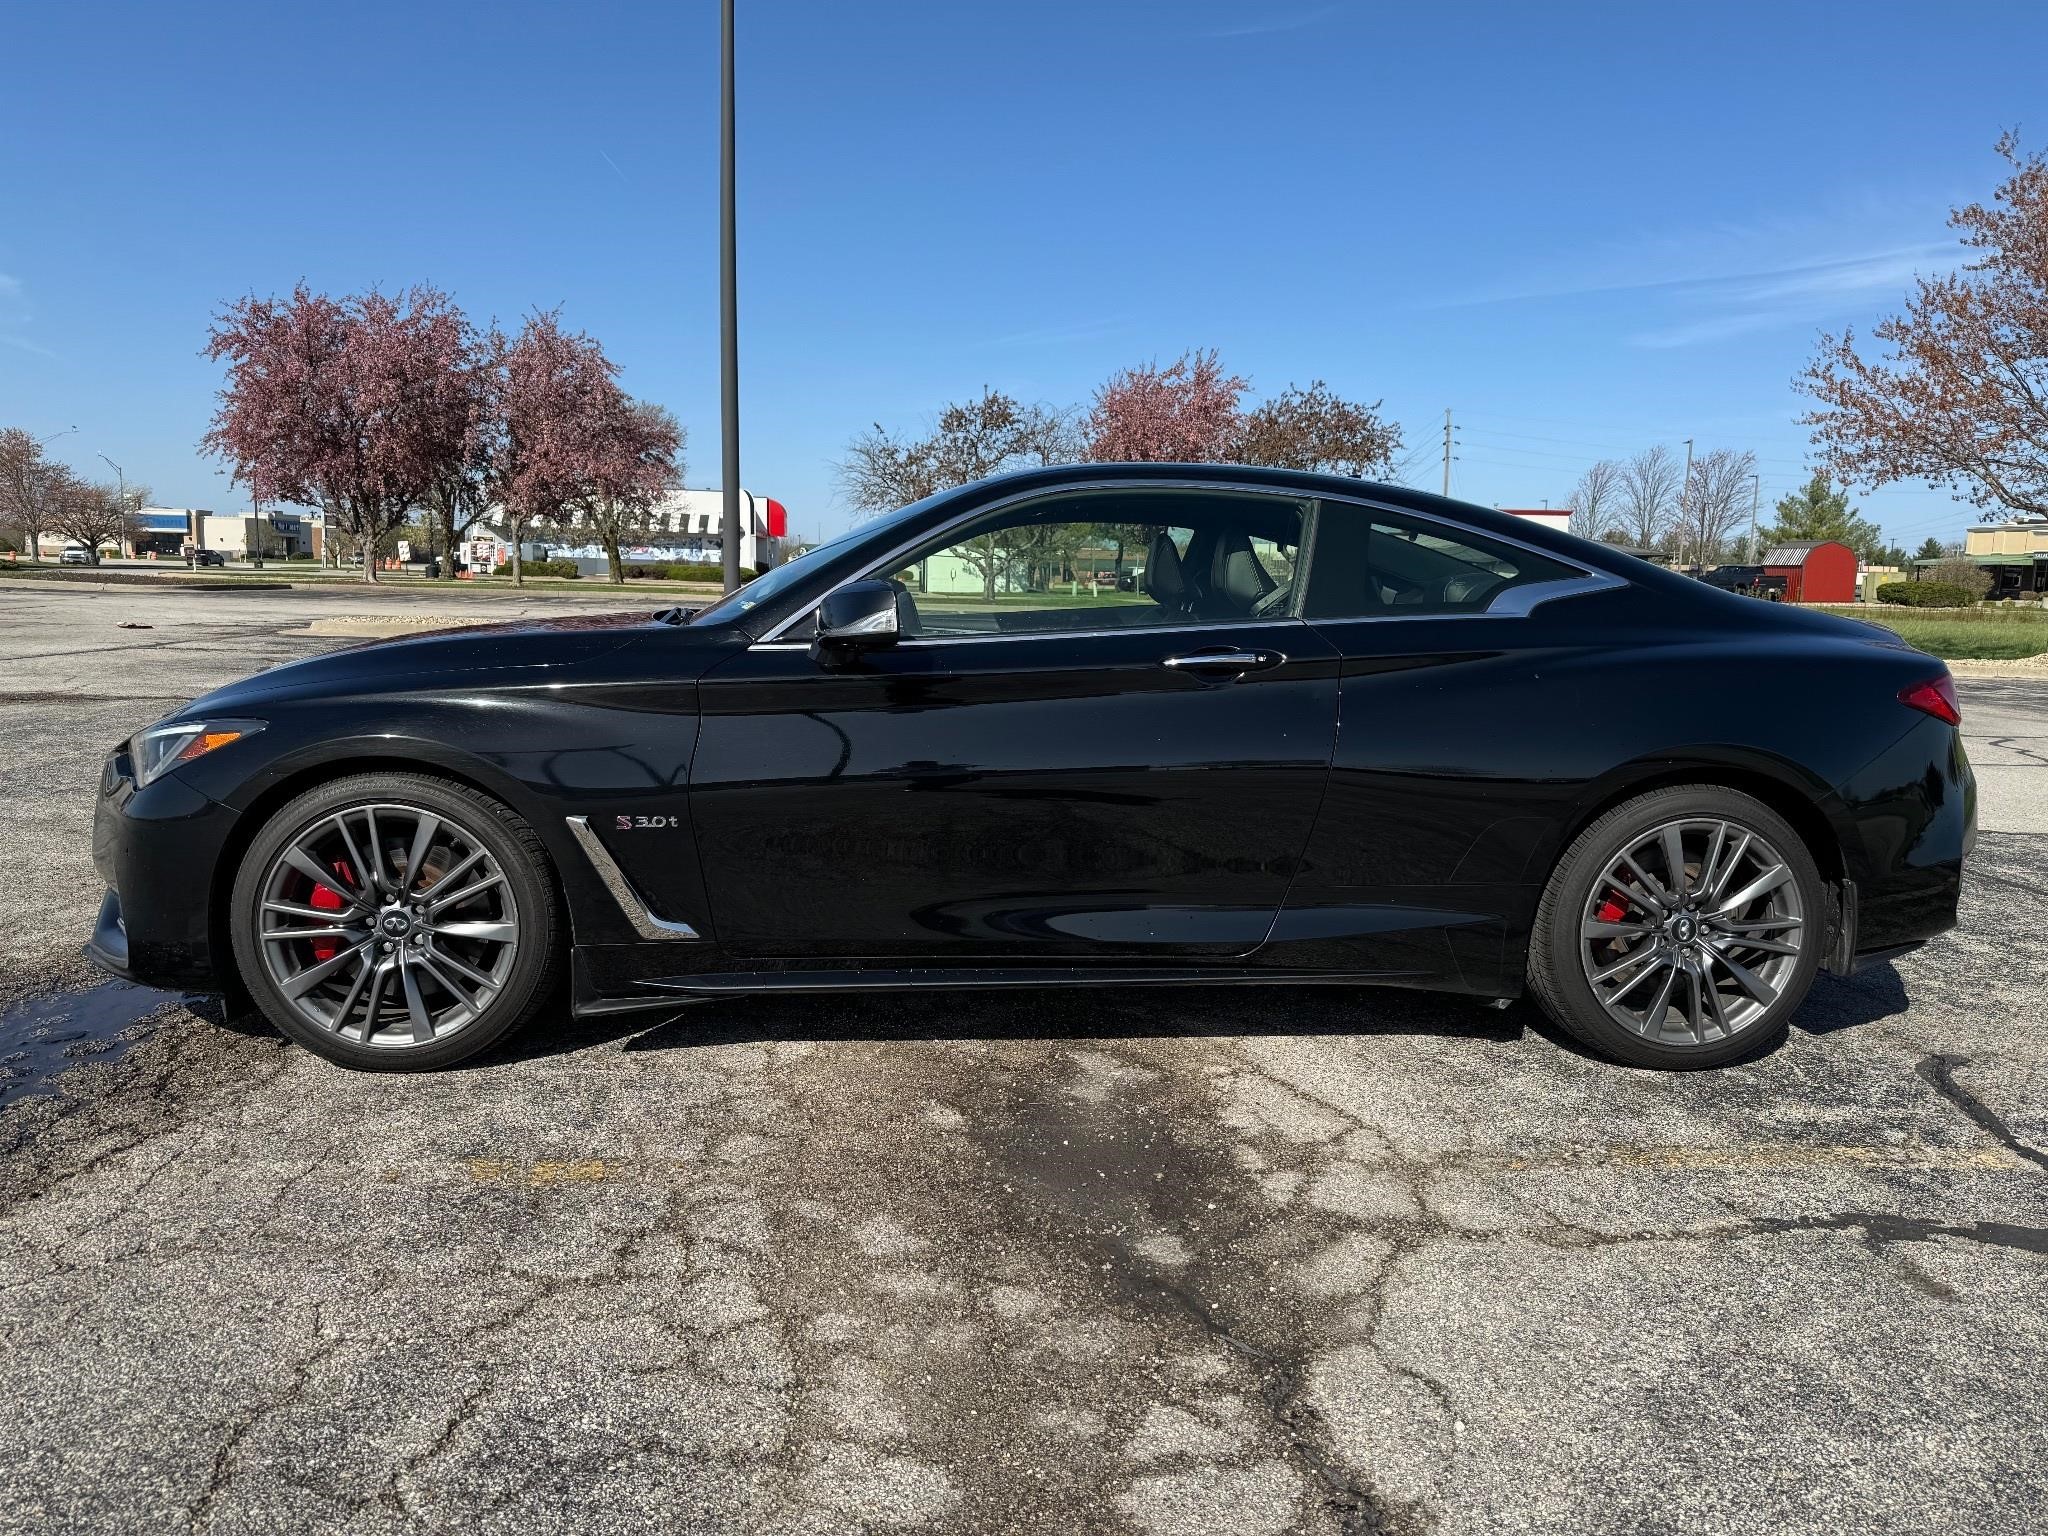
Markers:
{"x": 1371, "y": 563}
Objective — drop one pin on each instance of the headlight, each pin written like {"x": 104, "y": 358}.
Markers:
{"x": 162, "y": 747}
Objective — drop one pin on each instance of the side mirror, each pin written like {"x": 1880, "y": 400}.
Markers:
{"x": 860, "y": 616}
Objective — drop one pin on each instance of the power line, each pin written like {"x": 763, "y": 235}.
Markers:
{"x": 1488, "y": 432}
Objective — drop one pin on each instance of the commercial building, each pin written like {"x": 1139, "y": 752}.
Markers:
{"x": 686, "y": 528}
{"x": 2013, "y": 554}
{"x": 169, "y": 533}
{"x": 268, "y": 535}
{"x": 164, "y": 532}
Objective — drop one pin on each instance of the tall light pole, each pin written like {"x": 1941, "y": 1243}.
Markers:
{"x": 1755, "y": 489}
{"x": 728, "y": 305}
{"x": 60, "y": 432}
{"x": 121, "y": 476}
{"x": 1684, "y": 491}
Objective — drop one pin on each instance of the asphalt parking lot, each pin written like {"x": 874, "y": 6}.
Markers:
{"x": 1318, "y": 1261}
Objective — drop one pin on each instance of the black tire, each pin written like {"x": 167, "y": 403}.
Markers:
{"x": 1558, "y": 979}
{"x": 529, "y": 981}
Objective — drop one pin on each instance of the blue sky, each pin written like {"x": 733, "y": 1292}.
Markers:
{"x": 1583, "y": 228}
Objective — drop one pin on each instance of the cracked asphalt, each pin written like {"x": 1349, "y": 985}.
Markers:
{"x": 1309, "y": 1261}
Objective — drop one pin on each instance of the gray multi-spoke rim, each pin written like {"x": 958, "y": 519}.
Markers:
{"x": 1693, "y": 930}
{"x": 388, "y": 925}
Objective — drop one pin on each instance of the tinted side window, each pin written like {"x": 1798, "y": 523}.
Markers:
{"x": 1107, "y": 560}
{"x": 1370, "y": 563}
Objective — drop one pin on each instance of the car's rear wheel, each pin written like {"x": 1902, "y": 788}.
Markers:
{"x": 395, "y": 921}
{"x": 1681, "y": 929}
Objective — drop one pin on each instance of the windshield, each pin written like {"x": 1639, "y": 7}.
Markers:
{"x": 771, "y": 583}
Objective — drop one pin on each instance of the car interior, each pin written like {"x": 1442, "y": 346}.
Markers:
{"x": 1085, "y": 563}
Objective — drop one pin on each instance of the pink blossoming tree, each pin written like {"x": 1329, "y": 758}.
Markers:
{"x": 340, "y": 404}
{"x": 1185, "y": 413}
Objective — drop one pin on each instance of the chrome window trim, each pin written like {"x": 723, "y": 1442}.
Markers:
{"x": 636, "y": 911}
{"x": 913, "y": 642}
{"x": 1512, "y": 603}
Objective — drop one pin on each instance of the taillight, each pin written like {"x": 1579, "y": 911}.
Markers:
{"x": 1936, "y": 697}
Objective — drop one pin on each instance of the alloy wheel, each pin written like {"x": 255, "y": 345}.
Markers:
{"x": 388, "y": 925}
{"x": 1692, "y": 932}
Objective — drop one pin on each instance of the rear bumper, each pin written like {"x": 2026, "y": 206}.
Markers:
{"x": 1913, "y": 821}
{"x": 157, "y": 850}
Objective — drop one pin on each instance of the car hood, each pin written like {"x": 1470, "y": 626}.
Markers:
{"x": 521, "y": 648}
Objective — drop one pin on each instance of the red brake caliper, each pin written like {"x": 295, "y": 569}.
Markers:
{"x": 1611, "y": 910}
{"x": 327, "y": 899}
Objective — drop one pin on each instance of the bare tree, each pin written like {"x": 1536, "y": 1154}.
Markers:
{"x": 1594, "y": 500}
{"x": 635, "y": 460}
{"x": 1313, "y": 429}
{"x": 971, "y": 440}
{"x": 91, "y": 514}
{"x": 1649, "y": 496}
{"x": 1960, "y": 571}
{"x": 28, "y": 487}
{"x": 1714, "y": 503}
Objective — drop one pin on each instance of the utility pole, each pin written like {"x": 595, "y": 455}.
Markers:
{"x": 1755, "y": 487}
{"x": 1447, "y": 450}
{"x": 728, "y": 305}
{"x": 1684, "y": 497}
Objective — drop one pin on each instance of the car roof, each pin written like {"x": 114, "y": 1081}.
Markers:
{"x": 1305, "y": 482}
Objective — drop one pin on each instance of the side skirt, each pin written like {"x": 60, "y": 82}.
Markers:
{"x": 932, "y": 979}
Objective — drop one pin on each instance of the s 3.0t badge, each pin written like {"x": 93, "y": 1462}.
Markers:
{"x": 644, "y": 823}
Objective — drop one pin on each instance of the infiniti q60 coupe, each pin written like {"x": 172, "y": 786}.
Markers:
{"x": 1099, "y": 726}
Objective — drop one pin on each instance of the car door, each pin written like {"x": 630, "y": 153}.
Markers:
{"x": 1456, "y": 745}
{"x": 1103, "y": 737}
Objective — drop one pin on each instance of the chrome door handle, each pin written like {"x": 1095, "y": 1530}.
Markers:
{"x": 1224, "y": 661}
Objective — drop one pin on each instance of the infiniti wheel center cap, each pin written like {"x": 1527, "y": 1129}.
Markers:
{"x": 396, "y": 924}
{"x": 1684, "y": 928}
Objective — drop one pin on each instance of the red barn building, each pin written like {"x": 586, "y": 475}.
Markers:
{"x": 1820, "y": 571}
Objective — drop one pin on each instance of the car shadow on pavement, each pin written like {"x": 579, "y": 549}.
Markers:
{"x": 1051, "y": 1014}
{"x": 1844, "y": 1002}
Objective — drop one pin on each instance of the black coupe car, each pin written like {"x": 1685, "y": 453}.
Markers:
{"x": 1107, "y": 726}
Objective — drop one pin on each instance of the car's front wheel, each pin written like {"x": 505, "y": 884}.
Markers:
{"x": 1681, "y": 929}
{"x": 395, "y": 921}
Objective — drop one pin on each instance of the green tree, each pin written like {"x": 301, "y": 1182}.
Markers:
{"x": 1930, "y": 549}
{"x": 1819, "y": 510}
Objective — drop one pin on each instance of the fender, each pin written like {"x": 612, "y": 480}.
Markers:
{"x": 594, "y": 915}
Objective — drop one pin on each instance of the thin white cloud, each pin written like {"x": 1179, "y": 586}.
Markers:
{"x": 10, "y": 287}
{"x": 1857, "y": 274}
{"x": 1291, "y": 23}
{"x": 23, "y": 344}
{"x": 1835, "y": 274}
{"x": 1714, "y": 328}
{"x": 1793, "y": 297}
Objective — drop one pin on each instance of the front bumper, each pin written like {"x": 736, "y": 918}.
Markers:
{"x": 158, "y": 850}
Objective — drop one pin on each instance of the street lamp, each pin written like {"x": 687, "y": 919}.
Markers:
{"x": 60, "y": 432}
{"x": 121, "y": 478}
{"x": 1684, "y": 496}
{"x": 728, "y": 307}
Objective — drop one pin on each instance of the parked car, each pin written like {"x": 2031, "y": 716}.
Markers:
{"x": 1733, "y": 578}
{"x": 208, "y": 557}
{"x": 78, "y": 554}
{"x": 1341, "y": 733}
